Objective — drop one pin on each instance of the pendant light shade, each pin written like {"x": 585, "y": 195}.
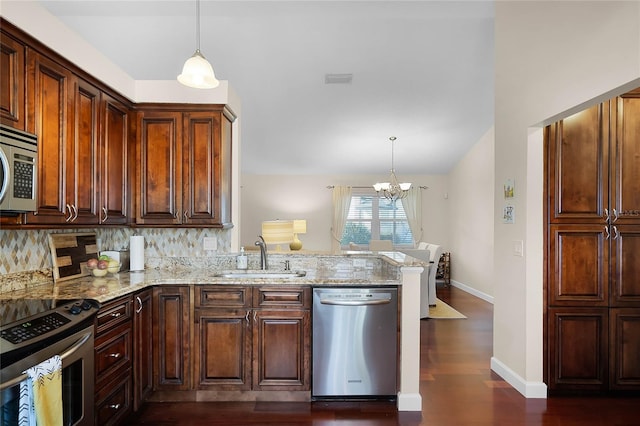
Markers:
{"x": 197, "y": 72}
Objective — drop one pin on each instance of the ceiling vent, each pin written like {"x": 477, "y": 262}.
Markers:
{"x": 338, "y": 78}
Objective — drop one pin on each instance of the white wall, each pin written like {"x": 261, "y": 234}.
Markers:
{"x": 471, "y": 194}
{"x": 266, "y": 197}
{"x": 552, "y": 58}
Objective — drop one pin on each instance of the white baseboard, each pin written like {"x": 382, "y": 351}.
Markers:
{"x": 472, "y": 291}
{"x": 409, "y": 402}
{"x": 528, "y": 389}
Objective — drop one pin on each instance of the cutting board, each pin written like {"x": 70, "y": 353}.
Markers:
{"x": 69, "y": 254}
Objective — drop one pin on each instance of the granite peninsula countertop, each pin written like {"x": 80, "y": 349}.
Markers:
{"x": 348, "y": 269}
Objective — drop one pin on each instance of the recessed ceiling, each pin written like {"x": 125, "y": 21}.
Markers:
{"x": 422, "y": 71}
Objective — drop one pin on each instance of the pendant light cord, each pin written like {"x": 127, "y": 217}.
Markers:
{"x": 198, "y": 25}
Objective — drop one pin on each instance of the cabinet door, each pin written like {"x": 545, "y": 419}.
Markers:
{"x": 223, "y": 349}
{"x": 160, "y": 168}
{"x": 142, "y": 347}
{"x": 578, "y": 167}
{"x": 625, "y": 347}
{"x": 578, "y": 343}
{"x": 625, "y": 265}
{"x": 114, "y": 162}
{"x": 12, "y": 77}
{"x": 50, "y": 111}
{"x": 82, "y": 156}
{"x": 281, "y": 346}
{"x": 171, "y": 338}
{"x": 201, "y": 153}
{"x": 578, "y": 270}
{"x": 626, "y": 174}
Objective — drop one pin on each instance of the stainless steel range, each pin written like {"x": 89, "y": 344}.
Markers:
{"x": 32, "y": 331}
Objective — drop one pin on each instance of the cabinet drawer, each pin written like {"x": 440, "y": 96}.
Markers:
{"x": 113, "y": 313}
{"x": 113, "y": 401}
{"x": 222, "y": 296}
{"x": 282, "y": 297}
{"x": 113, "y": 352}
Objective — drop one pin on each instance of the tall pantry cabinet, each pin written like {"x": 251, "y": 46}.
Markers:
{"x": 592, "y": 321}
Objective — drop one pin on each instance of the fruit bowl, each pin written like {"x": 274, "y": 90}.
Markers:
{"x": 99, "y": 272}
{"x": 113, "y": 267}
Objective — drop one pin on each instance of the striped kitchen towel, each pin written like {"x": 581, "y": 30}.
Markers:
{"x": 41, "y": 394}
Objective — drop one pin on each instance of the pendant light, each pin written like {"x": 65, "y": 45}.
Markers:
{"x": 197, "y": 72}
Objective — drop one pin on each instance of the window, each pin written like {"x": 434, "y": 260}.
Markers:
{"x": 374, "y": 218}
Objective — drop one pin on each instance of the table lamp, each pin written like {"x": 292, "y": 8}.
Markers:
{"x": 277, "y": 232}
{"x": 299, "y": 227}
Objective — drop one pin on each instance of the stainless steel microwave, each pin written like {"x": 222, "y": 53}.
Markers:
{"x": 18, "y": 170}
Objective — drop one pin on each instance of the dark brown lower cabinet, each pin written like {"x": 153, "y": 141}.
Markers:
{"x": 142, "y": 347}
{"x": 578, "y": 348}
{"x": 171, "y": 338}
{"x": 625, "y": 348}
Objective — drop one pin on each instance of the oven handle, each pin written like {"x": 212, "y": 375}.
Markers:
{"x": 70, "y": 351}
{"x": 347, "y": 302}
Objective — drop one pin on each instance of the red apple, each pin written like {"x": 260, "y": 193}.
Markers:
{"x": 103, "y": 264}
{"x": 92, "y": 263}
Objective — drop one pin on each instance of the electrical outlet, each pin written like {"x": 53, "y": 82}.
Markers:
{"x": 210, "y": 243}
{"x": 359, "y": 263}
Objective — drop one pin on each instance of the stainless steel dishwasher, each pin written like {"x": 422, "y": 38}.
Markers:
{"x": 355, "y": 342}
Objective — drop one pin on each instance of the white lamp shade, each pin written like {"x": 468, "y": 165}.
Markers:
{"x": 277, "y": 231}
{"x": 405, "y": 186}
{"x": 197, "y": 72}
{"x": 300, "y": 226}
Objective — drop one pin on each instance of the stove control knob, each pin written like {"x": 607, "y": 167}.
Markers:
{"x": 85, "y": 305}
{"x": 75, "y": 309}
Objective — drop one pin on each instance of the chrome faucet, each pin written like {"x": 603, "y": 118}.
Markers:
{"x": 264, "y": 265}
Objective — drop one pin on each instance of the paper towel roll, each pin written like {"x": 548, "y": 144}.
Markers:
{"x": 136, "y": 253}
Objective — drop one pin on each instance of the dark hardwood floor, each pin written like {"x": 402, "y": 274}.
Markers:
{"x": 456, "y": 383}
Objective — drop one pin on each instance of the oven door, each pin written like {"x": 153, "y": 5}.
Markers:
{"x": 76, "y": 352}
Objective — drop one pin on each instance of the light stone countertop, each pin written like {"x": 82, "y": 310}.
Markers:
{"x": 376, "y": 269}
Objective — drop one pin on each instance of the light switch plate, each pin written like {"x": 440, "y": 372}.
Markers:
{"x": 518, "y": 248}
{"x": 210, "y": 243}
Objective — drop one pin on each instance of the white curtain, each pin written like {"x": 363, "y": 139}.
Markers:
{"x": 412, "y": 205}
{"x": 341, "y": 203}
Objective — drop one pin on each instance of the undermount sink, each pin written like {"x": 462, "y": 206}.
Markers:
{"x": 261, "y": 274}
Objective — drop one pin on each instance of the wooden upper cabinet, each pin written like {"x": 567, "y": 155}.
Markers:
{"x": 114, "y": 159}
{"x": 50, "y": 106}
{"x": 12, "y": 82}
{"x": 578, "y": 166}
{"x": 160, "y": 168}
{"x": 82, "y": 165}
{"x": 184, "y": 175}
{"x": 626, "y": 158}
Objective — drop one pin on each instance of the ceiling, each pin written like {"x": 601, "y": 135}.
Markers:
{"x": 422, "y": 71}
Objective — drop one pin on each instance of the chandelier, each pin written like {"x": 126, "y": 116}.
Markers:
{"x": 392, "y": 190}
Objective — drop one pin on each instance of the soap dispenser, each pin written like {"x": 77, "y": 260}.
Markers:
{"x": 241, "y": 260}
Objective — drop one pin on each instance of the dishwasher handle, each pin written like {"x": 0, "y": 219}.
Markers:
{"x": 346, "y": 302}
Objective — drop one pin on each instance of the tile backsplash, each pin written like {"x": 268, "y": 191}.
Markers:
{"x": 28, "y": 250}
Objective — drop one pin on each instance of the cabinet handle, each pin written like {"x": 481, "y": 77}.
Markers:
{"x": 616, "y": 233}
{"x": 75, "y": 212}
{"x": 115, "y": 314}
{"x": 606, "y": 231}
{"x": 139, "y": 309}
{"x": 606, "y": 216}
{"x": 116, "y": 355}
{"x": 255, "y": 315}
{"x": 68, "y": 218}
{"x": 114, "y": 406}
{"x": 185, "y": 216}
{"x": 246, "y": 317}
{"x": 615, "y": 215}
{"x": 105, "y": 213}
